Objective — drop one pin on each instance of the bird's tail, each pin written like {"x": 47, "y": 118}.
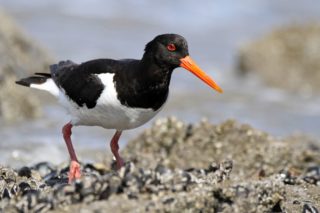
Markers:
{"x": 42, "y": 81}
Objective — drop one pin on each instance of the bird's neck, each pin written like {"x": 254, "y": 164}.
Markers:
{"x": 153, "y": 74}
{"x": 145, "y": 86}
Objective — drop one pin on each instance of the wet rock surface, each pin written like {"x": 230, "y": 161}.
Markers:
{"x": 174, "y": 167}
{"x": 287, "y": 58}
{"x": 20, "y": 56}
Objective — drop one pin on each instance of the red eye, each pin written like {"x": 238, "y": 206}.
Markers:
{"x": 171, "y": 47}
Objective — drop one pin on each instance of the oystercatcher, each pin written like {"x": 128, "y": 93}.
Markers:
{"x": 116, "y": 94}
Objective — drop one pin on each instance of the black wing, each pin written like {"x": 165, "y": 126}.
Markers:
{"x": 79, "y": 82}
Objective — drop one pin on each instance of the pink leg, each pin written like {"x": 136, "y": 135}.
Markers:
{"x": 74, "y": 172}
{"x": 115, "y": 148}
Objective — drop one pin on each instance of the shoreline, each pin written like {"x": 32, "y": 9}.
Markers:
{"x": 229, "y": 167}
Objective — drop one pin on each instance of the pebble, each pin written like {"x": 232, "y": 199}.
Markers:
{"x": 308, "y": 208}
{"x": 98, "y": 184}
{"x": 313, "y": 175}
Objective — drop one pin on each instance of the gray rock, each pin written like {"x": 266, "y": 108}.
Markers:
{"x": 286, "y": 58}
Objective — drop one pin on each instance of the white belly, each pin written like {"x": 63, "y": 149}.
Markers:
{"x": 108, "y": 112}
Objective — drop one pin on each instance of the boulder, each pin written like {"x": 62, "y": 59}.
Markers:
{"x": 287, "y": 58}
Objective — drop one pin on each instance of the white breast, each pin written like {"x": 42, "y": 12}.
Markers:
{"x": 108, "y": 112}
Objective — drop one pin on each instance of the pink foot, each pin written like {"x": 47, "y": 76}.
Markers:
{"x": 74, "y": 172}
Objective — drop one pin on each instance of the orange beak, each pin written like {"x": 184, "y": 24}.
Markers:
{"x": 191, "y": 66}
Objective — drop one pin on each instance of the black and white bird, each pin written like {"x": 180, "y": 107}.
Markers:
{"x": 116, "y": 94}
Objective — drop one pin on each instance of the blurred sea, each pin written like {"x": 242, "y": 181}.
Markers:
{"x": 215, "y": 29}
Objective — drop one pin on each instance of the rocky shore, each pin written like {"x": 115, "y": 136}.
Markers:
{"x": 20, "y": 56}
{"x": 174, "y": 167}
{"x": 286, "y": 58}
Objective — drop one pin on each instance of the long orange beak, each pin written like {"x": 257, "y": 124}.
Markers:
{"x": 191, "y": 66}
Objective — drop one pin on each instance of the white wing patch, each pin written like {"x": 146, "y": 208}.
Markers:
{"x": 109, "y": 112}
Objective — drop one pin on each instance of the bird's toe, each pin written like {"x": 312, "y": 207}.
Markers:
{"x": 74, "y": 172}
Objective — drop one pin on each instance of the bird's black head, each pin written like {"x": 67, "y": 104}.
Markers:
{"x": 167, "y": 50}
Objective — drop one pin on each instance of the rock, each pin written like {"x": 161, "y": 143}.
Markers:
{"x": 287, "y": 58}
{"x": 178, "y": 167}
{"x": 20, "y": 56}
{"x": 254, "y": 153}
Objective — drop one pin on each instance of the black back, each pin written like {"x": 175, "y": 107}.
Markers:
{"x": 81, "y": 85}
{"x": 79, "y": 82}
{"x": 139, "y": 83}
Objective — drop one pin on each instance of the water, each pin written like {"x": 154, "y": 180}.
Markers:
{"x": 83, "y": 30}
